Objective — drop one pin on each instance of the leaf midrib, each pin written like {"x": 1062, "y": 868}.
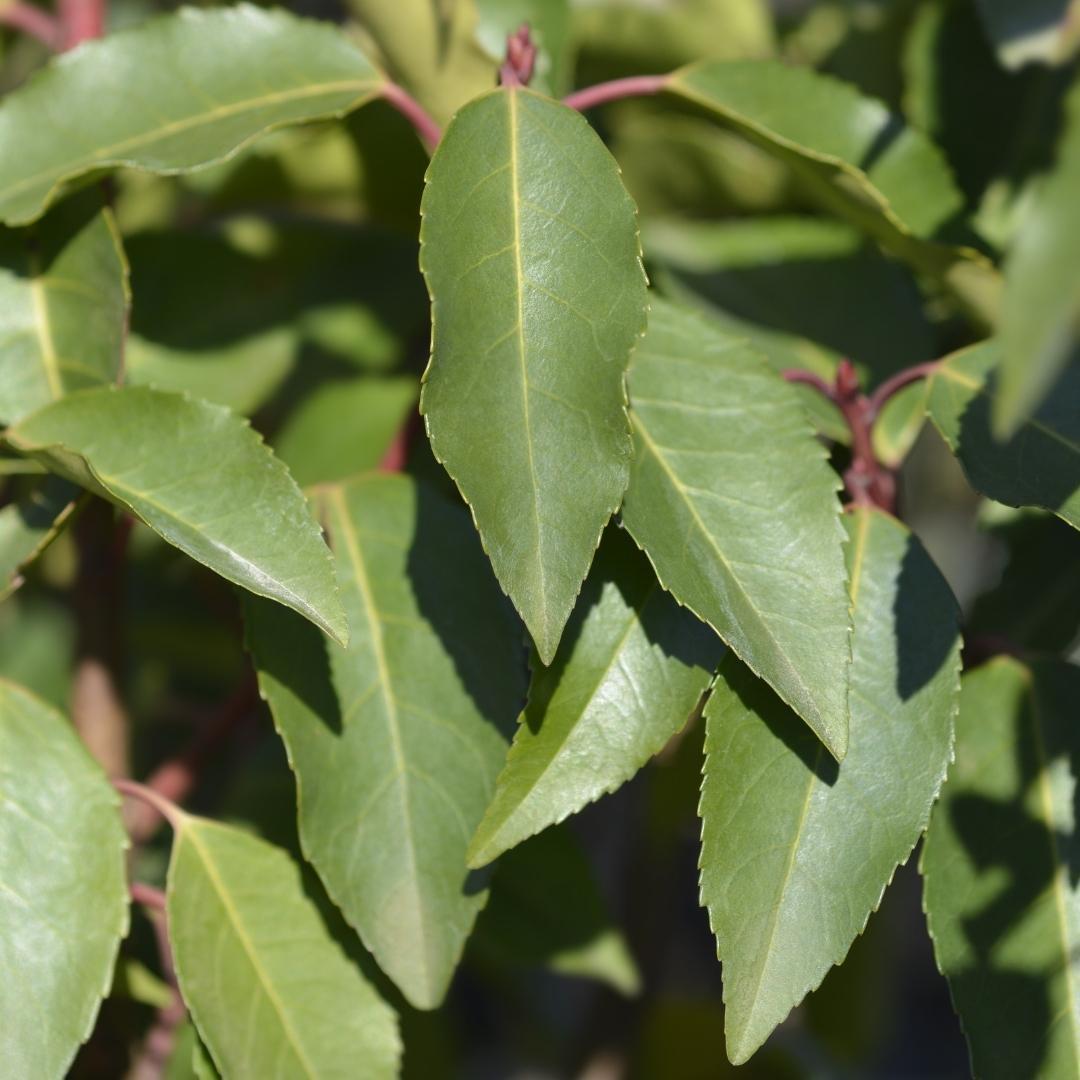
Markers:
{"x": 184, "y": 124}
{"x": 50, "y": 361}
{"x": 519, "y": 290}
{"x": 378, "y": 648}
{"x": 640, "y": 426}
{"x": 190, "y": 831}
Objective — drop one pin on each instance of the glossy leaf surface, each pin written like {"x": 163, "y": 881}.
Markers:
{"x": 797, "y": 851}
{"x": 174, "y": 93}
{"x": 396, "y": 742}
{"x": 271, "y": 992}
{"x": 63, "y": 307}
{"x": 854, "y": 157}
{"x": 203, "y": 480}
{"x": 1037, "y": 466}
{"x": 530, "y": 250}
{"x": 1040, "y": 324}
{"x": 1000, "y": 887}
{"x": 29, "y": 524}
{"x": 63, "y": 886}
{"x": 733, "y": 502}
{"x": 630, "y": 670}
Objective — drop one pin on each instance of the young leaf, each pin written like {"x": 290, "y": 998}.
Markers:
{"x": 174, "y": 93}
{"x": 63, "y": 887}
{"x": 63, "y": 306}
{"x": 546, "y": 909}
{"x": 202, "y": 479}
{"x": 271, "y": 992}
{"x": 631, "y": 668}
{"x": 530, "y": 250}
{"x": 1000, "y": 887}
{"x": 396, "y": 742}
{"x": 795, "y": 851}
{"x": 1041, "y": 305}
{"x": 732, "y": 500}
{"x": 1040, "y": 464}
{"x": 29, "y": 524}
{"x": 899, "y": 423}
{"x": 854, "y": 157}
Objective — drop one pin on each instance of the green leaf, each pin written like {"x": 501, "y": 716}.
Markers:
{"x": 240, "y": 376}
{"x": 855, "y": 158}
{"x": 202, "y": 479}
{"x": 63, "y": 886}
{"x": 271, "y": 992}
{"x": 396, "y": 742}
{"x": 899, "y": 423}
{"x": 1043, "y": 31}
{"x": 1040, "y": 464}
{"x": 63, "y": 306}
{"x": 631, "y": 668}
{"x": 29, "y": 524}
{"x": 1000, "y": 887}
{"x": 343, "y": 428}
{"x": 530, "y": 250}
{"x": 1040, "y": 320}
{"x": 796, "y": 851}
{"x": 546, "y": 910}
{"x": 174, "y": 93}
{"x": 733, "y": 502}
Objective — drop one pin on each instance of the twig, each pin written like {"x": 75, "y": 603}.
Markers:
{"x": 893, "y": 385}
{"x": 134, "y": 790}
{"x": 808, "y": 378}
{"x": 31, "y": 20}
{"x": 147, "y": 895}
{"x": 617, "y": 89}
{"x": 80, "y": 20}
{"x": 430, "y": 133}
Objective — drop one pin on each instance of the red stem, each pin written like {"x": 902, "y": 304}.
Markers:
{"x": 134, "y": 790}
{"x": 147, "y": 895}
{"x": 617, "y": 89}
{"x": 892, "y": 386}
{"x": 808, "y": 378}
{"x": 80, "y": 20}
{"x": 414, "y": 112}
{"x": 33, "y": 21}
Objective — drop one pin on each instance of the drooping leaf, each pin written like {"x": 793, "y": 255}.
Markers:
{"x": 174, "y": 93}
{"x": 1000, "y": 887}
{"x": 63, "y": 887}
{"x": 1037, "y": 30}
{"x": 396, "y": 742}
{"x": 29, "y": 524}
{"x": 1036, "y": 603}
{"x": 855, "y": 158}
{"x": 1040, "y": 319}
{"x": 630, "y": 670}
{"x": 546, "y": 910}
{"x": 271, "y": 992}
{"x": 202, "y": 479}
{"x": 1037, "y": 466}
{"x": 63, "y": 306}
{"x": 731, "y": 498}
{"x": 345, "y": 427}
{"x": 796, "y": 852}
{"x": 530, "y": 250}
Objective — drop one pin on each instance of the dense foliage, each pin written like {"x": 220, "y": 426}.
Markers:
{"x": 660, "y": 504}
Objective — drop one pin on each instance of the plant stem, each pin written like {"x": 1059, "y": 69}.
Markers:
{"x": 635, "y": 86}
{"x": 414, "y": 112}
{"x": 808, "y": 378}
{"x": 31, "y": 20}
{"x": 147, "y": 895}
{"x": 892, "y": 386}
{"x": 80, "y": 20}
{"x": 134, "y": 790}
